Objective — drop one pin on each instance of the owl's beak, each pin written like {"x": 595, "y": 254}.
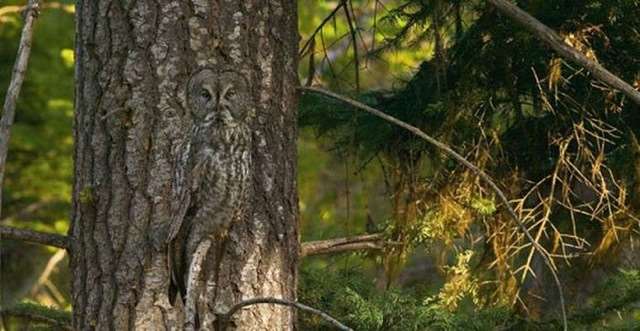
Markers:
{"x": 223, "y": 105}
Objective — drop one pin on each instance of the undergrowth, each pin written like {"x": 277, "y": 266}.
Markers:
{"x": 354, "y": 300}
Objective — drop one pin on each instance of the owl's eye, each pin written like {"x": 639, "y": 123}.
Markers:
{"x": 231, "y": 93}
{"x": 205, "y": 95}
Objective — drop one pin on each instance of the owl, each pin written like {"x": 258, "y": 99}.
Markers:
{"x": 212, "y": 178}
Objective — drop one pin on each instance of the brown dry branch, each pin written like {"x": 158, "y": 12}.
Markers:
{"x": 551, "y": 38}
{"x": 43, "y": 280}
{"x": 49, "y": 239}
{"x": 339, "y": 245}
{"x": 17, "y": 77}
{"x": 479, "y": 172}
{"x": 581, "y": 184}
{"x": 223, "y": 319}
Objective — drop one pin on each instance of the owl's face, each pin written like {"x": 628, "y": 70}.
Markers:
{"x": 218, "y": 98}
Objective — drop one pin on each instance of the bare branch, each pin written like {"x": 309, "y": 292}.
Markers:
{"x": 447, "y": 150}
{"x": 49, "y": 239}
{"x": 48, "y": 270}
{"x": 17, "y": 77}
{"x": 339, "y": 245}
{"x": 556, "y": 42}
{"x": 225, "y": 318}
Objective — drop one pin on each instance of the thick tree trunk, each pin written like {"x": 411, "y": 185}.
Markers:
{"x": 135, "y": 61}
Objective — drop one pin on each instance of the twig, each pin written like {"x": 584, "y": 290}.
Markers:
{"x": 354, "y": 41}
{"x": 446, "y": 149}
{"x": 333, "y": 13}
{"x": 556, "y": 42}
{"x": 17, "y": 77}
{"x": 37, "y": 237}
{"x": 338, "y": 245}
{"x": 223, "y": 319}
{"x": 51, "y": 265}
{"x": 32, "y": 316}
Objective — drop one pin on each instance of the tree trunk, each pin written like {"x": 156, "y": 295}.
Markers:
{"x": 141, "y": 101}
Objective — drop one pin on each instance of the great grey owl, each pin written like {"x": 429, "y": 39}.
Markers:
{"x": 212, "y": 177}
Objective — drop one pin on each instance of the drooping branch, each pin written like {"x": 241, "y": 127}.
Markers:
{"x": 223, "y": 319}
{"x": 339, "y": 245}
{"x": 462, "y": 160}
{"x": 49, "y": 239}
{"x": 551, "y": 38}
{"x": 17, "y": 77}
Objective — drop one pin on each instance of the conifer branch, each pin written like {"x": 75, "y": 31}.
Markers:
{"x": 462, "y": 160}
{"x": 38, "y": 314}
{"x": 551, "y": 38}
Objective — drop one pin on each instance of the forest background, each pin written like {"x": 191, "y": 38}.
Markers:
{"x": 562, "y": 145}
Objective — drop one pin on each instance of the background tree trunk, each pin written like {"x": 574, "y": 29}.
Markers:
{"x": 134, "y": 59}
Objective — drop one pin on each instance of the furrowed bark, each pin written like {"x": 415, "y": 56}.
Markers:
{"x": 551, "y": 38}
{"x": 134, "y": 60}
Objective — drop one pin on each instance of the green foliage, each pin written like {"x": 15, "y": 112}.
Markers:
{"x": 499, "y": 96}
{"x": 37, "y": 186}
{"x": 40, "y": 153}
{"x": 485, "y": 92}
{"x": 616, "y": 304}
{"x": 484, "y": 206}
{"x": 354, "y": 300}
{"x": 36, "y": 317}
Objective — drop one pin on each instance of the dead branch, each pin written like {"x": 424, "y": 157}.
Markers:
{"x": 485, "y": 177}
{"x": 551, "y": 38}
{"x": 49, "y": 239}
{"x": 339, "y": 245}
{"x": 223, "y": 319}
{"x": 48, "y": 270}
{"x": 17, "y": 77}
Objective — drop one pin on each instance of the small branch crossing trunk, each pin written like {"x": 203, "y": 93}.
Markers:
{"x": 185, "y": 133}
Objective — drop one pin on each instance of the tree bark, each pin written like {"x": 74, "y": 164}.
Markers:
{"x": 134, "y": 62}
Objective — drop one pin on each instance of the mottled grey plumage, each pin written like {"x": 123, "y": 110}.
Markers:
{"x": 212, "y": 173}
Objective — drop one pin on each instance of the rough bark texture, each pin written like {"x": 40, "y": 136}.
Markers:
{"x": 134, "y": 62}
